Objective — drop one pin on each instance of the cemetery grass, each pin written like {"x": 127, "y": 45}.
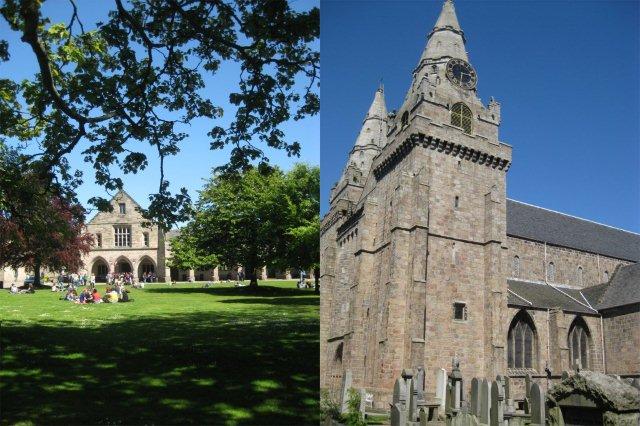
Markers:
{"x": 175, "y": 355}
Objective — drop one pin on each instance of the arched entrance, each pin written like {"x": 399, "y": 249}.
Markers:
{"x": 100, "y": 269}
{"x": 123, "y": 265}
{"x": 146, "y": 266}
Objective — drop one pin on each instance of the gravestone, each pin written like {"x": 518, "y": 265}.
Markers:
{"x": 413, "y": 401}
{"x": 399, "y": 392}
{"x": 475, "y": 396}
{"x": 527, "y": 386}
{"x": 497, "y": 400}
{"x": 398, "y": 417}
{"x": 419, "y": 379}
{"x": 537, "y": 405}
{"x": 363, "y": 401}
{"x": 565, "y": 375}
{"x": 441, "y": 388}
{"x": 424, "y": 417}
{"x": 344, "y": 396}
{"x": 485, "y": 402}
{"x": 636, "y": 383}
{"x": 449, "y": 400}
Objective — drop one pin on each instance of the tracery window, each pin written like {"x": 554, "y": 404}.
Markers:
{"x": 461, "y": 117}
{"x": 516, "y": 266}
{"x": 122, "y": 236}
{"x": 521, "y": 342}
{"x": 579, "y": 340}
{"x": 551, "y": 272}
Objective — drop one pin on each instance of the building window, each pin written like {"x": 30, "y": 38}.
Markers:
{"x": 579, "y": 275}
{"x": 99, "y": 240}
{"x": 606, "y": 276}
{"x": 579, "y": 343}
{"x": 521, "y": 342}
{"x": 460, "y": 311}
{"x": 122, "y": 236}
{"x": 461, "y": 117}
{"x": 516, "y": 266}
{"x": 551, "y": 272}
{"x": 456, "y": 202}
{"x": 123, "y": 208}
{"x": 405, "y": 119}
{"x": 146, "y": 239}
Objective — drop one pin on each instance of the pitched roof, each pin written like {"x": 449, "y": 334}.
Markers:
{"x": 545, "y": 296}
{"x": 623, "y": 288}
{"x": 539, "y": 224}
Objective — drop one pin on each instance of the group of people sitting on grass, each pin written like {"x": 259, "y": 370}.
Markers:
{"x": 124, "y": 278}
{"x": 14, "y": 289}
{"x": 149, "y": 277}
{"x": 112, "y": 295}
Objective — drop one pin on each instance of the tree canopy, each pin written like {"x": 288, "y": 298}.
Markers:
{"x": 140, "y": 75}
{"x": 253, "y": 219}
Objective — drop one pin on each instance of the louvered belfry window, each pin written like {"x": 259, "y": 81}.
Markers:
{"x": 461, "y": 117}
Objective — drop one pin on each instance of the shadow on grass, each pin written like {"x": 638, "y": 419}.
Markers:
{"x": 298, "y": 301}
{"x": 261, "y": 291}
{"x": 201, "y": 368}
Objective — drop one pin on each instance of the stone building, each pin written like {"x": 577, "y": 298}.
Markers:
{"x": 424, "y": 258}
{"x": 124, "y": 244}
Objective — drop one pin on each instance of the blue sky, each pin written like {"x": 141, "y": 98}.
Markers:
{"x": 194, "y": 163}
{"x": 566, "y": 73}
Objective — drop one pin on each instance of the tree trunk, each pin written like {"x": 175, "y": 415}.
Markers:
{"x": 316, "y": 276}
{"x": 36, "y": 273}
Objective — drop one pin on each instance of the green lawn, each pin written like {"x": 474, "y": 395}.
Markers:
{"x": 175, "y": 355}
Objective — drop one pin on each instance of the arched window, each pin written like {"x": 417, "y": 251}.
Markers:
{"x": 579, "y": 275}
{"x": 516, "y": 266}
{"x": 551, "y": 272}
{"x": 521, "y": 342}
{"x": 579, "y": 341}
{"x": 606, "y": 276}
{"x": 405, "y": 119}
{"x": 461, "y": 117}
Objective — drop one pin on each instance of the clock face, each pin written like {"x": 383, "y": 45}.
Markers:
{"x": 461, "y": 74}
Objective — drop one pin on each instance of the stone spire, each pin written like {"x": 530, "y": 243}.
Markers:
{"x": 447, "y": 38}
{"x": 374, "y": 127}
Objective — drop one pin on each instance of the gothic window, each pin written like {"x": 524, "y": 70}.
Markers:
{"x": 122, "y": 236}
{"x": 579, "y": 275}
{"x": 338, "y": 355}
{"x": 460, "y": 311}
{"x": 551, "y": 272}
{"x": 146, "y": 239}
{"x": 461, "y": 117}
{"x": 521, "y": 342}
{"x": 516, "y": 266}
{"x": 123, "y": 208}
{"x": 405, "y": 118}
{"x": 606, "y": 276}
{"x": 579, "y": 340}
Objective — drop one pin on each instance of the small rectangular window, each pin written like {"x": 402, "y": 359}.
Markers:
{"x": 146, "y": 239}
{"x": 456, "y": 202}
{"x": 99, "y": 240}
{"x": 460, "y": 311}
{"x": 123, "y": 208}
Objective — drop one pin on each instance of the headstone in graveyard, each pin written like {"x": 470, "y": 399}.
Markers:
{"x": 363, "y": 401}
{"x": 449, "y": 400}
{"x": 346, "y": 385}
{"x": 497, "y": 400}
{"x": 485, "y": 402}
{"x": 475, "y": 396}
{"x": 399, "y": 392}
{"x": 565, "y": 375}
{"x": 424, "y": 417}
{"x": 527, "y": 386}
{"x": 398, "y": 417}
{"x": 419, "y": 379}
{"x": 537, "y": 405}
{"x": 413, "y": 401}
{"x": 441, "y": 388}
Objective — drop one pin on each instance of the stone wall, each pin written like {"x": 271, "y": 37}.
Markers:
{"x": 534, "y": 258}
{"x": 622, "y": 340}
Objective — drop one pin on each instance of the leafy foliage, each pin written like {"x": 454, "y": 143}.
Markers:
{"x": 138, "y": 77}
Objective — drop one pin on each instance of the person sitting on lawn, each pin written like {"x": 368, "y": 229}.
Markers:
{"x": 29, "y": 290}
{"x": 95, "y": 297}
{"x": 125, "y": 296}
{"x": 71, "y": 295}
{"x": 84, "y": 297}
{"x": 13, "y": 289}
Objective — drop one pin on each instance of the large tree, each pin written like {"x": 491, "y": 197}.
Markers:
{"x": 144, "y": 73}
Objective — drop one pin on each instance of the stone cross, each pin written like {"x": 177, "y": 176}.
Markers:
{"x": 485, "y": 402}
{"x": 537, "y": 406}
{"x": 346, "y": 385}
{"x": 441, "y": 387}
{"x": 475, "y": 397}
{"x": 497, "y": 401}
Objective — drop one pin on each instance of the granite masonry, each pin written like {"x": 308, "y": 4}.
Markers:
{"x": 423, "y": 257}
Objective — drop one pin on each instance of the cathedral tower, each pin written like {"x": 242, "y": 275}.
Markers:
{"x": 412, "y": 270}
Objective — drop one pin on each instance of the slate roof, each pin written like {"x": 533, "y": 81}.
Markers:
{"x": 539, "y": 224}
{"x": 544, "y": 296}
{"x": 623, "y": 288}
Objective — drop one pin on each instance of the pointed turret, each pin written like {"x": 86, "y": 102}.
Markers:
{"x": 447, "y": 38}
{"x": 374, "y": 127}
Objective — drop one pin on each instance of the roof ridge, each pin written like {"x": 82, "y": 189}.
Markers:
{"x": 575, "y": 217}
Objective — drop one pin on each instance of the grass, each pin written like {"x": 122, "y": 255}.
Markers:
{"x": 175, "y": 355}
